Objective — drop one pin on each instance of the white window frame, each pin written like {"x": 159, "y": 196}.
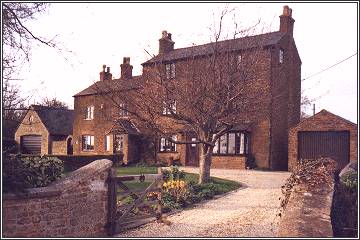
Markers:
{"x": 89, "y": 113}
{"x": 108, "y": 143}
{"x": 88, "y": 140}
{"x": 166, "y": 145}
{"x": 281, "y": 56}
{"x": 166, "y": 110}
{"x": 123, "y": 110}
{"x": 170, "y": 70}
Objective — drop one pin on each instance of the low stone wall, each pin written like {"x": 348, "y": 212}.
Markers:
{"x": 308, "y": 213}
{"x": 76, "y": 206}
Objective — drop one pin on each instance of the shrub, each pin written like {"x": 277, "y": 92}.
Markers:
{"x": 350, "y": 181}
{"x": 21, "y": 172}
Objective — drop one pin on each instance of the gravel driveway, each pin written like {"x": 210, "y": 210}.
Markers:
{"x": 247, "y": 212}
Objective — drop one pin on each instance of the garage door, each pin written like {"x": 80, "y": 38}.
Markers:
{"x": 333, "y": 144}
{"x": 31, "y": 144}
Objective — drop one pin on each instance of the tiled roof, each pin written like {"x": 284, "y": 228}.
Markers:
{"x": 57, "y": 121}
{"x": 124, "y": 126}
{"x": 238, "y": 44}
{"x": 105, "y": 86}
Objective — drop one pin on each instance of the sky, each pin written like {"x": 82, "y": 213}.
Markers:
{"x": 93, "y": 34}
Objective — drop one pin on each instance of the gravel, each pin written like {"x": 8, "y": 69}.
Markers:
{"x": 247, "y": 212}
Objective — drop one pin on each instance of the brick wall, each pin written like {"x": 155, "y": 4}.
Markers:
{"x": 36, "y": 127}
{"x": 322, "y": 121}
{"x": 229, "y": 162}
{"x": 76, "y": 206}
{"x": 58, "y": 145}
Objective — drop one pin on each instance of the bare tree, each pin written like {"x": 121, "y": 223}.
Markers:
{"x": 207, "y": 96}
{"x": 53, "y": 102}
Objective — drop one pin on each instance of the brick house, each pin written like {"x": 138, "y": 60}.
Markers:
{"x": 323, "y": 135}
{"x": 263, "y": 136}
{"x": 45, "y": 130}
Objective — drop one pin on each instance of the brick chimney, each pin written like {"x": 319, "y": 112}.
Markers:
{"x": 165, "y": 43}
{"x": 286, "y": 21}
{"x": 126, "y": 69}
{"x": 105, "y": 75}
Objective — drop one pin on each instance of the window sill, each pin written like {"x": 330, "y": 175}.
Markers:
{"x": 168, "y": 152}
{"x": 88, "y": 119}
{"x": 86, "y": 150}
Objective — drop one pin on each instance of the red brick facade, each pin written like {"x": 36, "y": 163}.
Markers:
{"x": 274, "y": 95}
{"x": 322, "y": 121}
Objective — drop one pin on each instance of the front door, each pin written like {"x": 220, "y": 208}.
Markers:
{"x": 192, "y": 152}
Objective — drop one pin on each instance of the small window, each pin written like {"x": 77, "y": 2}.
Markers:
{"x": 119, "y": 143}
{"x": 170, "y": 70}
{"x": 108, "y": 143}
{"x": 89, "y": 113}
{"x": 167, "y": 109}
{"x": 87, "y": 142}
{"x": 166, "y": 145}
{"x": 31, "y": 119}
{"x": 193, "y": 144}
{"x": 281, "y": 56}
{"x": 123, "y": 110}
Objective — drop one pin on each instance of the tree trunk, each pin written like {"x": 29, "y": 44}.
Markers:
{"x": 205, "y": 163}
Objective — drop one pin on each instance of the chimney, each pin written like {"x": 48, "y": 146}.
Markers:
{"x": 165, "y": 43}
{"x": 286, "y": 21}
{"x": 105, "y": 75}
{"x": 126, "y": 69}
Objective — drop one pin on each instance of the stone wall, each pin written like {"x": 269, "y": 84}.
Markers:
{"x": 308, "y": 214}
{"x": 76, "y": 206}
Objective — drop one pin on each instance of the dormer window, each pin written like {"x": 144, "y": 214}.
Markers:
{"x": 170, "y": 70}
{"x": 281, "y": 56}
{"x": 89, "y": 113}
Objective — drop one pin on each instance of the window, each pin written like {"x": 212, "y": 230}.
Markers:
{"x": 89, "y": 113}
{"x": 193, "y": 144}
{"x": 233, "y": 143}
{"x": 166, "y": 145}
{"x": 31, "y": 119}
{"x": 170, "y": 70}
{"x": 172, "y": 106}
{"x": 87, "y": 142}
{"x": 108, "y": 143}
{"x": 119, "y": 143}
{"x": 123, "y": 110}
{"x": 281, "y": 56}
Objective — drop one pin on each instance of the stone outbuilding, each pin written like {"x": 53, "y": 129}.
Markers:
{"x": 323, "y": 135}
{"x": 45, "y": 130}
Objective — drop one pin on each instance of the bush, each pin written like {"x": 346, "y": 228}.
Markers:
{"x": 21, "y": 172}
{"x": 350, "y": 181}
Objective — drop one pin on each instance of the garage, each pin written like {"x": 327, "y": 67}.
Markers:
{"x": 30, "y": 144}
{"x": 323, "y": 135}
{"x": 316, "y": 144}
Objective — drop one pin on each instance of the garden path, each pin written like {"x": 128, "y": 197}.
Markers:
{"x": 247, "y": 212}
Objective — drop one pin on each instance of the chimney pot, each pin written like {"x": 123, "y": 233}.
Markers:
{"x": 126, "y": 69}
{"x": 108, "y": 69}
{"x": 165, "y": 43}
{"x": 104, "y": 66}
{"x": 169, "y": 36}
{"x": 164, "y": 34}
{"x": 286, "y": 11}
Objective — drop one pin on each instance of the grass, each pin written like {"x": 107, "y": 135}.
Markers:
{"x": 135, "y": 170}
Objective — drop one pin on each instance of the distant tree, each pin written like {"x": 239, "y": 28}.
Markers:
{"x": 53, "y": 102}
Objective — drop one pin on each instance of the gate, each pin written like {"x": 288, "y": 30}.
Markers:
{"x": 131, "y": 208}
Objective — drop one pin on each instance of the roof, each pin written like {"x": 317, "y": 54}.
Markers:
{"x": 236, "y": 127}
{"x": 238, "y": 44}
{"x": 324, "y": 112}
{"x": 106, "y": 86}
{"x": 9, "y": 127}
{"x": 56, "y": 120}
{"x": 124, "y": 126}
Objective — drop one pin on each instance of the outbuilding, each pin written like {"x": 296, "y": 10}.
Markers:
{"x": 45, "y": 130}
{"x": 323, "y": 135}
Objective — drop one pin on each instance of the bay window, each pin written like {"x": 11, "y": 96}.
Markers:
{"x": 166, "y": 146}
{"x": 233, "y": 143}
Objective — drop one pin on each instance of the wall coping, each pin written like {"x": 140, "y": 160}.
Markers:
{"x": 58, "y": 187}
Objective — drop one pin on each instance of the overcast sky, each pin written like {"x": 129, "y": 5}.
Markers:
{"x": 104, "y": 33}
